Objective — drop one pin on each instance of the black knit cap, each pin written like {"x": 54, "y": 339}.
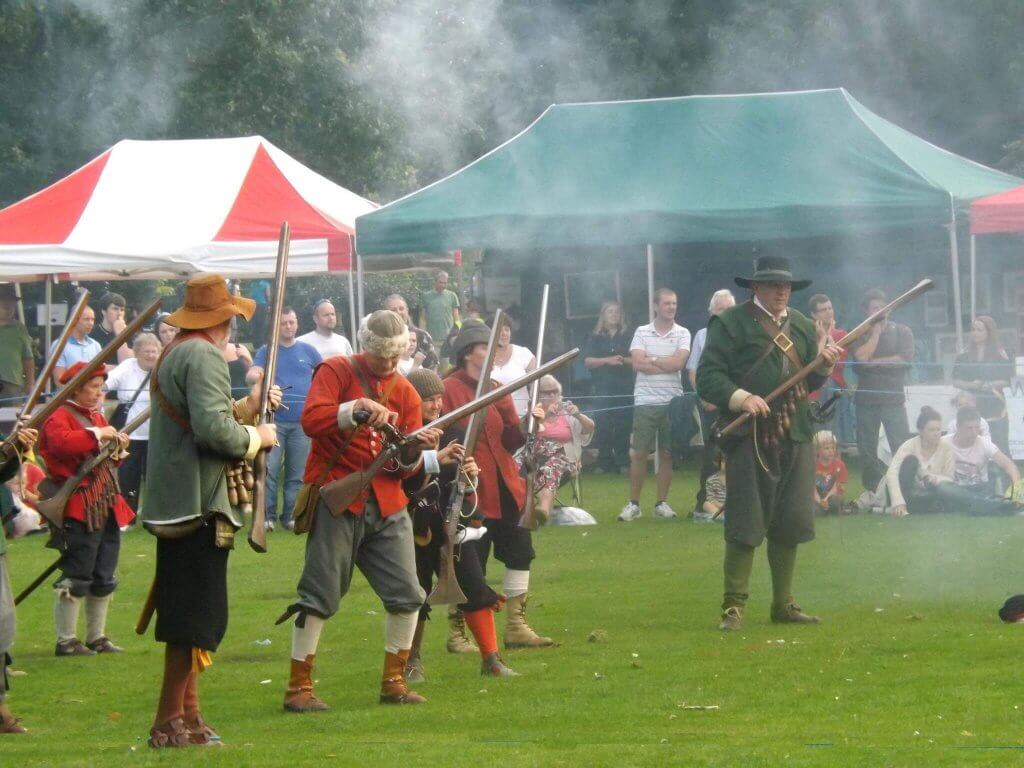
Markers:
{"x": 473, "y": 331}
{"x": 426, "y": 383}
{"x": 1012, "y": 610}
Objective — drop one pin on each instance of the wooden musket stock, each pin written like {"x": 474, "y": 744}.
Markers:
{"x": 922, "y": 287}
{"x": 258, "y": 532}
{"x": 51, "y": 362}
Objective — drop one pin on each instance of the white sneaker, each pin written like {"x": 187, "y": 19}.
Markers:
{"x": 664, "y": 511}
{"x": 702, "y": 517}
{"x": 630, "y": 512}
{"x": 268, "y": 525}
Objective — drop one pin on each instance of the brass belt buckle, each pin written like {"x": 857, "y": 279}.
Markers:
{"x": 785, "y": 345}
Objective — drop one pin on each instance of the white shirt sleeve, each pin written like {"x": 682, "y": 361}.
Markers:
{"x": 637, "y": 342}
{"x": 684, "y": 340}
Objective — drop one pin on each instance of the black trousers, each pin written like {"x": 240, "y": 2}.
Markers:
{"x": 468, "y": 572}
{"x": 131, "y": 472}
{"x": 869, "y": 419}
{"x": 613, "y": 428}
{"x": 513, "y": 544}
{"x": 192, "y": 590}
{"x": 89, "y": 560}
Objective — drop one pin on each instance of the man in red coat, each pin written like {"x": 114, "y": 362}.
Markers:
{"x": 501, "y": 490}
{"x": 375, "y": 532}
{"x": 91, "y": 536}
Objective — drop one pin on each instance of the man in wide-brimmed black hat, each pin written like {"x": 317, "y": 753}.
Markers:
{"x": 750, "y": 350}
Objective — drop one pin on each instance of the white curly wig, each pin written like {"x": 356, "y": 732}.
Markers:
{"x": 384, "y": 334}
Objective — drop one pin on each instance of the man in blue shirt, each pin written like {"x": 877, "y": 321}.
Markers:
{"x": 295, "y": 363}
{"x": 81, "y": 347}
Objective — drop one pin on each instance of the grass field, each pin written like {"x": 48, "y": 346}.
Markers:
{"x": 910, "y": 667}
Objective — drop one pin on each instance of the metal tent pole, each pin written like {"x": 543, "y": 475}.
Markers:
{"x": 361, "y": 296}
{"x": 650, "y": 282}
{"x": 650, "y": 312}
{"x": 353, "y": 325}
{"x": 48, "y": 333}
{"x": 954, "y": 255}
{"x": 974, "y": 278}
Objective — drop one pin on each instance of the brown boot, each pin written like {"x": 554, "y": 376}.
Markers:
{"x": 791, "y": 613}
{"x": 300, "y": 697}
{"x": 519, "y": 634}
{"x": 9, "y": 723}
{"x": 200, "y": 734}
{"x": 494, "y": 666}
{"x": 458, "y": 642}
{"x": 732, "y": 619}
{"x": 393, "y": 689}
{"x": 173, "y": 733}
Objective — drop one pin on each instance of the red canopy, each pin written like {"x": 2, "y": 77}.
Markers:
{"x": 1002, "y": 212}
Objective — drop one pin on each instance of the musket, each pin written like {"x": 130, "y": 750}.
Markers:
{"x": 529, "y": 517}
{"x": 8, "y": 449}
{"x": 51, "y": 362}
{"x": 339, "y": 494}
{"x": 38, "y": 580}
{"x": 52, "y": 507}
{"x": 265, "y": 415}
{"x": 922, "y": 287}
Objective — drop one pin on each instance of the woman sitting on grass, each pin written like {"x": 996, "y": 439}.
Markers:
{"x": 920, "y": 466}
{"x": 561, "y": 435}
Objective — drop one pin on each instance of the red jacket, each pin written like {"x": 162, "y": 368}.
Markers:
{"x": 64, "y": 443}
{"x": 500, "y": 436}
{"x": 334, "y": 383}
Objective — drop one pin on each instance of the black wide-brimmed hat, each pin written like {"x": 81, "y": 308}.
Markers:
{"x": 772, "y": 269}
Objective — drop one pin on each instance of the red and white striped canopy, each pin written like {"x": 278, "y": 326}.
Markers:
{"x": 165, "y": 208}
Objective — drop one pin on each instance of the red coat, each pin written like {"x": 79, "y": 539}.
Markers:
{"x": 64, "y": 443}
{"x": 500, "y": 437}
{"x": 334, "y": 383}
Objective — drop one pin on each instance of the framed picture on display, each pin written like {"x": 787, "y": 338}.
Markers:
{"x": 1013, "y": 288}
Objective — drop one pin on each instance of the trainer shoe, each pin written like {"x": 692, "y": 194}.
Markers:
{"x": 664, "y": 511}
{"x": 629, "y": 513}
{"x": 288, "y": 525}
{"x": 702, "y": 517}
{"x": 269, "y": 526}
{"x": 73, "y": 647}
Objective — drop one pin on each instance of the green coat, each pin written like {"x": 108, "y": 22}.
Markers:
{"x": 185, "y": 477}
{"x": 734, "y": 343}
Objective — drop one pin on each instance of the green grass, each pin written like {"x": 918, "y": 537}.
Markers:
{"x": 910, "y": 667}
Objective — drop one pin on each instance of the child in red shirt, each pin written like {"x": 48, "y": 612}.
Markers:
{"x": 829, "y": 474}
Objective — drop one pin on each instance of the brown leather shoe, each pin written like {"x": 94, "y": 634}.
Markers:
{"x": 494, "y": 666}
{"x": 103, "y": 645}
{"x": 732, "y": 619}
{"x": 9, "y": 723}
{"x": 73, "y": 647}
{"x": 791, "y": 613}
{"x": 173, "y": 733}
{"x": 299, "y": 696}
{"x": 200, "y": 734}
{"x": 393, "y": 689}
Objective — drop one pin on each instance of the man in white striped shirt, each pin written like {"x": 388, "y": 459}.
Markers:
{"x": 659, "y": 351}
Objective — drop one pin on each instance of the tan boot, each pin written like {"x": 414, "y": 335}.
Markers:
{"x": 300, "y": 697}
{"x": 458, "y": 641}
{"x": 393, "y": 689}
{"x": 732, "y": 619}
{"x": 495, "y": 666}
{"x": 9, "y": 723}
{"x": 519, "y": 634}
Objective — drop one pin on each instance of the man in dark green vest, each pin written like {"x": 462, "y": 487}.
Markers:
{"x": 750, "y": 350}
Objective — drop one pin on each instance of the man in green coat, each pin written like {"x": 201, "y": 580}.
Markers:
{"x": 750, "y": 350}
{"x": 196, "y": 434}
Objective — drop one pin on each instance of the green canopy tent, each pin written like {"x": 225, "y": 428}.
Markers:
{"x": 690, "y": 169}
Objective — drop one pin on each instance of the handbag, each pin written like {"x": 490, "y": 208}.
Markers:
{"x": 119, "y": 417}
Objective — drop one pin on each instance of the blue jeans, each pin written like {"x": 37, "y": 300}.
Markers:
{"x": 293, "y": 448}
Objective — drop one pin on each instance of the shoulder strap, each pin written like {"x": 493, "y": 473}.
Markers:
{"x": 778, "y": 339}
{"x": 154, "y": 382}
{"x": 138, "y": 391}
{"x": 77, "y": 416}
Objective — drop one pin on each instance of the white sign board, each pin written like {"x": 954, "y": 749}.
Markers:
{"x": 58, "y": 314}
{"x": 503, "y": 292}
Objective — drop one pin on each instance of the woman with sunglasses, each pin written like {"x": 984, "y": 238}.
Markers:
{"x": 562, "y": 433}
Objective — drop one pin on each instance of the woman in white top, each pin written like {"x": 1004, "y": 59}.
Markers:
{"x": 511, "y": 362}
{"x": 920, "y": 465}
{"x": 130, "y": 380}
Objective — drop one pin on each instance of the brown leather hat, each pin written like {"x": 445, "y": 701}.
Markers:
{"x": 208, "y": 303}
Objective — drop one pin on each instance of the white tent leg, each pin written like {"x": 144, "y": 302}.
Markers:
{"x": 650, "y": 311}
{"x": 361, "y": 297}
{"x": 48, "y": 335}
{"x": 954, "y": 255}
{"x": 974, "y": 279}
{"x": 352, "y": 326}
